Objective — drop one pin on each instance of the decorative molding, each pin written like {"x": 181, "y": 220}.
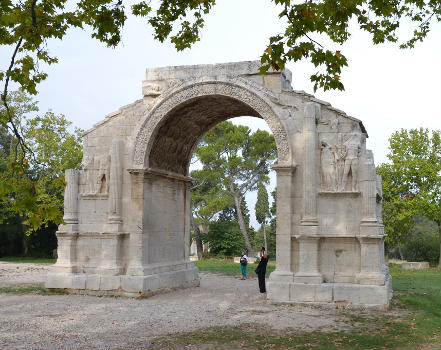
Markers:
{"x": 231, "y": 88}
{"x": 339, "y": 194}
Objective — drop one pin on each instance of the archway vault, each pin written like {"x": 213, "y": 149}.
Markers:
{"x": 169, "y": 133}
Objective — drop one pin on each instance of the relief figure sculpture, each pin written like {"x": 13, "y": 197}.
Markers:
{"x": 88, "y": 173}
{"x": 340, "y": 155}
{"x": 353, "y": 151}
{"x": 328, "y": 164}
{"x": 103, "y": 174}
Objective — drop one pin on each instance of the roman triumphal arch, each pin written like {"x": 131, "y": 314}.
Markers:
{"x": 127, "y": 211}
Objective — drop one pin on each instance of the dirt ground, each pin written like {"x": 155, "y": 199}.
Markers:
{"x": 88, "y": 322}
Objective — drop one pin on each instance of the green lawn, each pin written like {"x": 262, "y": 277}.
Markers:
{"x": 419, "y": 292}
{"x": 228, "y": 267}
{"x": 29, "y": 260}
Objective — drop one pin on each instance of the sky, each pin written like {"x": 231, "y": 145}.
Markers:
{"x": 387, "y": 88}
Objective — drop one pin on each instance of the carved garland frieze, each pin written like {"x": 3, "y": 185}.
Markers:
{"x": 145, "y": 135}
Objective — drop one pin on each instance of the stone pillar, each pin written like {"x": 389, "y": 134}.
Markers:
{"x": 71, "y": 201}
{"x": 371, "y": 231}
{"x": 308, "y": 261}
{"x": 309, "y": 165}
{"x": 67, "y": 233}
{"x": 187, "y": 225}
{"x": 371, "y": 261}
{"x": 308, "y": 270}
{"x": 111, "y": 240}
{"x": 137, "y": 244}
{"x": 111, "y": 254}
{"x": 368, "y": 188}
{"x": 67, "y": 248}
{"x": 283, "y": 270}
{"x": 115, "y": 186}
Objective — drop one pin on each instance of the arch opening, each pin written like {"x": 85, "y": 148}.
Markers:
{"x": 213, "y": 102}
{"x": 186, "y": 124}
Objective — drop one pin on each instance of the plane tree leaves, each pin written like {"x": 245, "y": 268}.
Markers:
{"x": 28, "y": 26}
{"x": 411, "y": 182}
{"x": 34, "y": 189}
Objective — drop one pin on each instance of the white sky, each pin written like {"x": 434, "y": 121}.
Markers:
{"x": 387, "y": 88}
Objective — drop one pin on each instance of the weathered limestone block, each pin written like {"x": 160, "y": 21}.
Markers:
{"x": 420, "y": 265}
{"x": 128, "y": 231}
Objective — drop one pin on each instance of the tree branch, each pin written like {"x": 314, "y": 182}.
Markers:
{"x": 5, "y": 101}
{"x": 251, "y": 178}
{"x": 33, "y": 16}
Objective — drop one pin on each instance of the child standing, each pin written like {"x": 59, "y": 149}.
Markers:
{"x": 243, "y": 265}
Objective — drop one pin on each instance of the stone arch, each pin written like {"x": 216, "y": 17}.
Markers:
{"x": 211, "y": 102}
{"x": 134, "y": 239}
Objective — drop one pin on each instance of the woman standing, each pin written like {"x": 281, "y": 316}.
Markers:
{"x": 243, "y": 265}
{"x": 261, "y": 269}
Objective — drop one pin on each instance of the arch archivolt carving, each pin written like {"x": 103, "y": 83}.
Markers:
{"x": 232, "y": 88}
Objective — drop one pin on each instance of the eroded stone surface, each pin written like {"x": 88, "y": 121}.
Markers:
{"x": 127, "y": 211}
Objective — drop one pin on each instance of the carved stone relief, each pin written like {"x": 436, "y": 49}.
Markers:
{"x": 339, "y": 162}
{"x": 103, "y": 175}
{"x": 329, "y": 167}
{"x": 352, "y": 154}
{"x": 96, "y": 174}
{"x": 88, "y": 174}
{"x": 129, "y": 234}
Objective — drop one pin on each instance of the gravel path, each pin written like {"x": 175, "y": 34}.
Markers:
{"x": 87, "y": 322}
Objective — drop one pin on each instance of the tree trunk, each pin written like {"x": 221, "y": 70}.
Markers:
{"x": 243, "y": 229}
{"x": 197, "y": 237}
{"x": 25, "y": 245}
{"x": 400, "y": 253}
{"x": 264, "y": 237}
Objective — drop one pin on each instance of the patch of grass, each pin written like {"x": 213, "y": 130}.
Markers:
{"x": 34, "y": 289}
{"x": 29, "y": 260}
{"x": 420, "y": 291}
{"x": 416, "y": 291}
{"x": 229, "y": 268}
{"x": 255, "y": 336}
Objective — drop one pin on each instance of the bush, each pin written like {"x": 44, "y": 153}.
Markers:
{"x": 424, "y": 243}
{"x": 225, "y": 238}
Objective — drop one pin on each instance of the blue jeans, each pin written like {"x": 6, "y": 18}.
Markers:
{"x": 244, "y": 270}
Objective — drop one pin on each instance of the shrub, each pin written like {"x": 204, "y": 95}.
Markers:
{"x": 423, "y": 245}
{"x": 224, "y": 238}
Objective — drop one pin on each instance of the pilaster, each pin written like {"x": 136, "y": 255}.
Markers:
{"x": 308, "y": 271}
{"x": 371, "y": 263}
{"x": 284, "y": 223}
{"x": 70, "y": 202}
{"x": 67, "y": 249}
{"x": 110, "y": 254}
{"x": 115, "y": 221}
{"x": 187, "y": 214}
{"x": 368, "y": 188}
{"x": 309, "y": 217}
{"x": 137, "y": 244}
